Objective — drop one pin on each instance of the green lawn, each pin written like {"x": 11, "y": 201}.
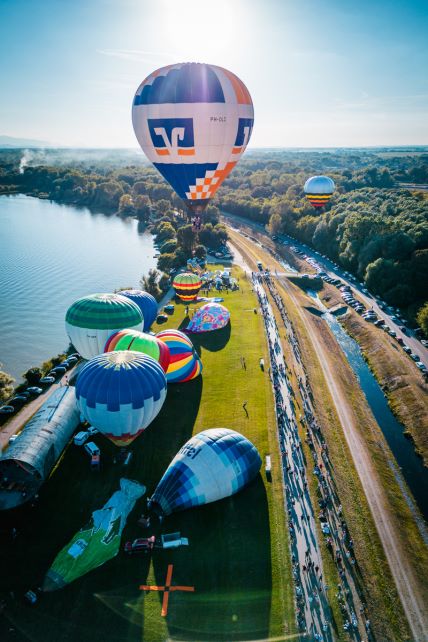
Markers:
{"x": 238, "y": 558}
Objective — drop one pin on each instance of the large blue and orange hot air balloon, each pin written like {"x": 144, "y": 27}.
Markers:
{"x": 193, "y": 122}
{"x": 319, "y": 190}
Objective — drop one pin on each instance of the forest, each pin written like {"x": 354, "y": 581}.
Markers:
{"x": 375, "y": 226}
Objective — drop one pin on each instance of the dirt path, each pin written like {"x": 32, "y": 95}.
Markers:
{"x": 406, "y": 583}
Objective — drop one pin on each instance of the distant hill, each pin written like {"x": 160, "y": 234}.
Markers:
{"x": 10, "y": 141}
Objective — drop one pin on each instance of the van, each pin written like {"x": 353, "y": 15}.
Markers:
{"x": 91, "y": 448}
{"x": 80, "y": 438}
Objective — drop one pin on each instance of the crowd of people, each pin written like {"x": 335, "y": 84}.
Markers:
{"x": 313, "y": 612}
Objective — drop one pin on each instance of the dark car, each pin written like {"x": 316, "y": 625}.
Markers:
{"x": 140, "y": 545}
{"x": 34, "y": 391}
{"x": 403, "y": 329}
{"x": 59, "y": 370}
{"x": 7, "y": 410}
{"x": 18, "y": 400}
{"x": 162, "y": 318}
{"x": 47, "y": 380}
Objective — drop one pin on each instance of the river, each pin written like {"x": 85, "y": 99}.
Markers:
{"x": 50, "y": 255}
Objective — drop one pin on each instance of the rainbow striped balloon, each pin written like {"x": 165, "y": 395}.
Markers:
{"x": 319, "y": 190}
{"x": 185, "y": 363}
{"x": 187, "y": 286}
{"x": 140, "y": 342}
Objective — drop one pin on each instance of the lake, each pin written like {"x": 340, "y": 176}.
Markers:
{"x": 50, "y": 255}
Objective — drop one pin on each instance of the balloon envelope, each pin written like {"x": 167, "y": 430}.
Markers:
{"x": 187, "y": 286}
{"x": 318, "y": 190}
{"x": 184, "y": 362}
{"x": 193, "y": 122}
{"x": 211, "y": 316}
{"x": 91, "y": 320}
{"x": 140, "y": 342}
{"x": 212, "y": 465}
{"x": 120, "y": 393}
{"x": 147, "y": 304}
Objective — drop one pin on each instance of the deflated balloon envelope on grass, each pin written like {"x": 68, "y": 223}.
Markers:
{"x": 140, "y": 342}
{"x": 147, "y": 304}
{"x": 212, "y": 316}
{"x": 185, "y": 363}
{"x": 212, "y": 465}
{"x": 91, "y": 320}
{"x": 193, "y": 122}
{"x": 121, "y": 393}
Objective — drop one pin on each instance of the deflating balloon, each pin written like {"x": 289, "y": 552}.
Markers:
{"x": 193, "y": 122}
{"x": 212, "y": 465}
{"x": 211, "y": 316}
{"x": 90, "y": 321}
{"x": 120, "y": 393}
{"x": 147, "y": 304}
{"x": 140, "y": 342}
{"x": 184, "y": 361}
{"x": 187, "y": 286}
{"x": 319, "y": 190}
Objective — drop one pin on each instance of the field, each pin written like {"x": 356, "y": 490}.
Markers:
{"x": 238, "y": 557}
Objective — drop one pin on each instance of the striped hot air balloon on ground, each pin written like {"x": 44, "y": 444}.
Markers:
{"x": 120, "y": 393}
{"x": 319, "y": 190}
{"x": 140, "y": 342}
{"x": 90, "y": 321}
{"x": 147, "y": 304}
{"x": 193, "y": 122}
{"x": 184, "y": 361}
{"x": 187, "y": 286}
{"x": 213, "y": 464}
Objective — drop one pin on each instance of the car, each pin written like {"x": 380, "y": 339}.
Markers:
{"x": 18, "y": 400}
{"x": 394, "y": 318}
{"x": 162, "y": 318}
{"x": 47, "y": 380}
{"x": 12, "y": 438}
{"x": 400, "y": 341}
{"x": 7, "y": 410}
{"x": 72, "y": 358}
{"x": 91, "y": 430}
{"x": 91, "y": 448}
{"x": 407, "y": 349}
{"x": 140, "y": 545}
{"x": 403, "y": 329}
{"x": 392, "y": 333}
{"x": 415, "y": 357}
{"x": 379, "y": 322}
{"x": 80, "y": 438}
{"x": 424, "y": 343}
{"x": 421, "y": 365}
{"x": 34, "y": 390}
{"x": 60, "y": 370}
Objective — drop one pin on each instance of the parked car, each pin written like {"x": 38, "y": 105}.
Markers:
{"x": 161, "y": 318}
{"x": 421, "y": 365}
{"x": 34, "y": 390}
{"x": 59, "y": 370}
{"x": 47, "y": 380}
{"x": 91, "y": 448}
{"x": 13, "y": 438}
{"x": 415, "y": 357}
{"x": 92, "y": 431}
{"x": 407, "y": 349}
{"x": 140, "y": 545}
{"x": 18, "y": 400}
{"x": 72, "y": 359}
{"x": 403, "y": 329}
{"x": 7, "y": 410}
{"x": 80, "y": 438}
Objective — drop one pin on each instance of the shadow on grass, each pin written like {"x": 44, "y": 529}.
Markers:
{"x": 228, "y": 562}
{"x": 212, "y": 341}
{"x": 101, "y": 604}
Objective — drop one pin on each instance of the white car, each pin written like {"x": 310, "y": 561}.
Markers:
{"x": 80, "y": 438}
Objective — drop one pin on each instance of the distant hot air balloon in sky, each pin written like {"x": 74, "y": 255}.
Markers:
{"x": 211, "y": 316}
{"x": 140, "y": 342}
{"x": 184, "y": 364}
{"x": 187, "y": 286}
{"x": 147, "y": 304}
{"x": 120, "y": 393}
{"x": 90, "y": 321}
{"x": 319, "y": 190}
{"x": 213, "y": 464}
{"x": 193, "y": 121}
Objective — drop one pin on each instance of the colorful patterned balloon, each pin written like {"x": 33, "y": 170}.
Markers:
{"x": 319, "y": 190}
{"x": 147, "y": 304}
{"x": 187, "y": 286}
{"x": 90, "y": 321}
{"x": 184, "y": 361}
{"x": 211, "y": 316}
{"x": 193, "y": 122}
{"x": 213, "y": 464}
{"x": 140, "y": 342}
{"x": 120, "y": 393}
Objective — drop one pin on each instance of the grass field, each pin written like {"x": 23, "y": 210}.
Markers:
{"x": 238, "y": 559}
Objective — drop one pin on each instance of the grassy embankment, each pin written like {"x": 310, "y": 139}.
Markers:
{"x": 238, "y": 558}
{"x": 396, "y": 373}
{"x": 384, "y": 604}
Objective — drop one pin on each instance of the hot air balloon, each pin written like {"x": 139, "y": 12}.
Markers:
{"x": 140, "y": 342}
{"x": 213, "y": 464}
{"x": 193, "y": 122}
{"x": 184, "y": 362}
{"x": 147, "y": 304}
{"x": 211, "y": 316}
{"x": 120, "y": 393}
{"x": 91, "y": 320}
{"x": 187, "y": 286}
{"x": 319, "y": 190}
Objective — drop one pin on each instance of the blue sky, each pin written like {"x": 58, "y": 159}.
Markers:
{"x": 321, "y": 72}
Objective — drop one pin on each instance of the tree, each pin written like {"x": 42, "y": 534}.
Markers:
{"x": 126, "y": 205}
{"x": 186, "y": 239}
{"x": 164, "y": 232}
{"x": 149, "y": 283}
{"x": 422, "y": 318}
{"x": 275, "y": 223}
{"x": 6, "y": 385}
{"x": 169, "y": 246}
{"x": 200, "y": 252}
{"x": 33, "y": 376}
{"x": 142, "y": 207}
{"x": 164, "y": 282}
{"x": 166, "y": 261}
